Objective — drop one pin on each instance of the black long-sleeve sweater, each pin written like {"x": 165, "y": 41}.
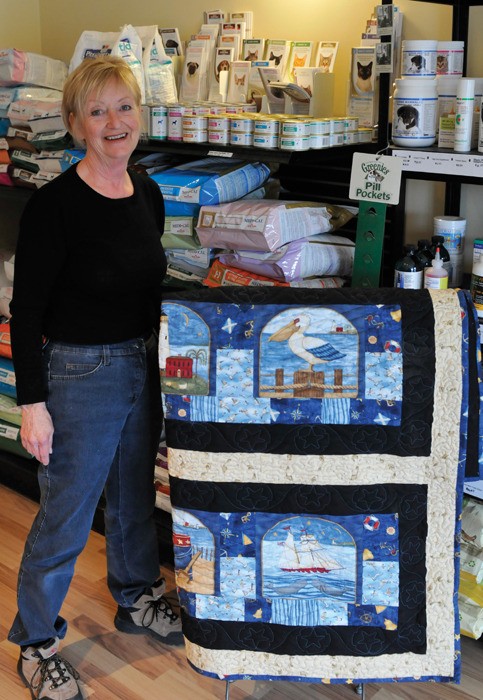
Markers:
{"x": 88, "y": 270}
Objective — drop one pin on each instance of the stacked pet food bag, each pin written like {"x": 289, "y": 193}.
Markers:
{"x": 32, "y": 133}
{"x": 223, "y": 227}
{"x": 32, "y": 143}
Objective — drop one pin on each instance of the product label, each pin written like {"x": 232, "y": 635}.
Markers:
{"x": 408, "y": 280}
{"x": 432, "y": 282}
{"x": 450, "y": 62}
{"x": 419, "y": 64}
{"x": 477, "y": 291}
{"x": 477, "y": 249}
{"x": 414, "y": 117}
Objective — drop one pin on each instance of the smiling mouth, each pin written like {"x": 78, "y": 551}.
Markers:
{"x": 116, "y": 138}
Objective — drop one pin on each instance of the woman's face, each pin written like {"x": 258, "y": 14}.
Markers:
{"x": 110, "y": 123}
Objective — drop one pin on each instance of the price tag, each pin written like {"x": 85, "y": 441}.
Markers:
{"x": 220, "y": 154}
{"x": 375, "y": 178}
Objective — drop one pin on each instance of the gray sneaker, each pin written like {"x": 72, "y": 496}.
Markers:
{"x": 151, "y": 614}
{"x": 47, "y": 675}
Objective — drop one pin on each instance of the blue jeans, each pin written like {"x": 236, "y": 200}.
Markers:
{"x": 105, "y": 403}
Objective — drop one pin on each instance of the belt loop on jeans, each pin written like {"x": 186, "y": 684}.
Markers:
{"x": 106, "y": 351}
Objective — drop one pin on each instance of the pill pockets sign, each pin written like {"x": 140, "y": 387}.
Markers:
{"x": 375, "y": 178}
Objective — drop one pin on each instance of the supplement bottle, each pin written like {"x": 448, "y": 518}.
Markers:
{"x": 476, "y": 286}
{"x": 408, "y": 272}
{"x": 436, "y": 277}
{"x": 415, "y": 112}
{"x": 465, "y": 101}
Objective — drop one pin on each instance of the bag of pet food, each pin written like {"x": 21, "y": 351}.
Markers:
{"x": 179, "y": 233}
{"x": 221, "y": 275}
{"x": 323, "y": 254}
{"x": 22, "y": 67}
{"x": 266, "y": 225}
{"x": 189, "y": 186}
{"x": 12, "y": 94}
{"x": 125, "y": 44}
{"x": 159, "y": 80}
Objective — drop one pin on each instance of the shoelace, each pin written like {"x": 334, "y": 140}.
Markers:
{"x": 54, "y": 670}
{"x": 157, "y": 607}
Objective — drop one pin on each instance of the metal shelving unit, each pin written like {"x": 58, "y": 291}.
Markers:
{"x": 437, "y": 164}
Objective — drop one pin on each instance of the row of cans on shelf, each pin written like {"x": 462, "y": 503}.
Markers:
{"x": 208, "y": 124}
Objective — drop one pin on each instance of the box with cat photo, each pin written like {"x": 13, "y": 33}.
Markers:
{"x": 363, "y": 71}
{"x": 238, "y": 81}
{"x": 253, "y": 49}
{"x": 363, "y": 94}
{"x": 278, "y": 50}
{"x": 325, "y": 56}
{"x": 300, "y": 57}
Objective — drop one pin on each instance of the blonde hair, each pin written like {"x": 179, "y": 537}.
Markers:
{"x": 90, "y": 77}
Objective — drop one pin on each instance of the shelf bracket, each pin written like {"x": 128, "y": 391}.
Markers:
{"x": 369, "y": 242}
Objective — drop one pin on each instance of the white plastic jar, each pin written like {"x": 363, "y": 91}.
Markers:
{"x": 415, "y": 104}
{"x": 450, "y": 58}
{"x": 453, "y": 229}
{"x": 418, "y": 58}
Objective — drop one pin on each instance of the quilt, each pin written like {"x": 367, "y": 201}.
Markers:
{"x": 317, "y": 448}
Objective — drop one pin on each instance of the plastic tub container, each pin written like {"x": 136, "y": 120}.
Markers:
{"x": 418, "y": 58}
{"x": 414, "y": 116}
{"x": 450, "y": 58}
{"x": 453, "y": 229}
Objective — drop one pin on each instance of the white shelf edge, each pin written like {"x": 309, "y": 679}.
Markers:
{"x": 442, "y": 163}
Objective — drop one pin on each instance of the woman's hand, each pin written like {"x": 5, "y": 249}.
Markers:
{"x": 37, "y": 431}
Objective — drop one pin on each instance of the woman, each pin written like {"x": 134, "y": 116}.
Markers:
{"x": 88, "y": 272}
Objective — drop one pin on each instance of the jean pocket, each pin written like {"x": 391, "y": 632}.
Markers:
{"x": 67, "y": 365}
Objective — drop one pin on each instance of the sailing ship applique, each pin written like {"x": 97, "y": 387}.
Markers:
{"x": 306, "y": 555}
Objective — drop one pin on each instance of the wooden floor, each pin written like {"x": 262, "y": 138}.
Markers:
{"x": 115, "y": 666}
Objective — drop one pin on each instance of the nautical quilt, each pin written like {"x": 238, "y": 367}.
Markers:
{"x": 317, "y": 446}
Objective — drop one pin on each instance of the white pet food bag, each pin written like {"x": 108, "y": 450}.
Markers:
{"x": 159, "y": 79}
{"x": 125, "y": 44}
{"x": 129, "y": 47}
{"x": 22, "y": 67}
{"x": 12, "y": 94}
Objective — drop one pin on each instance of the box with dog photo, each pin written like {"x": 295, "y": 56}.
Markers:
{"x": 221, "y": 64}
{"x": 171, "y": 41}
{"x": 193, "y": 79}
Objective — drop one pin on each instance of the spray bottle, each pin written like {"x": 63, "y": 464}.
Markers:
{"x": 436, "y": 277}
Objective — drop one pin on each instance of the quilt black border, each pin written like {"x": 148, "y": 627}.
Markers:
{"x": 411, "y": 438}
{"x": 408, "y": 500}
